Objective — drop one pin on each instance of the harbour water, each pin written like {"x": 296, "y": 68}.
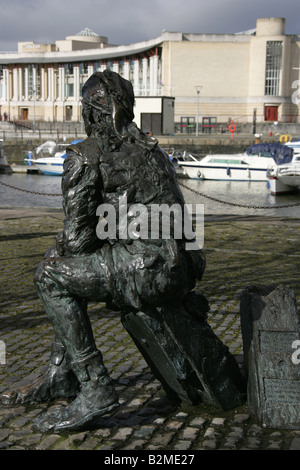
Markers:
{"x": 252, "y": 194}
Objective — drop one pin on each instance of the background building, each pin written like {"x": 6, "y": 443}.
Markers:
{"x": 195, "y": 81}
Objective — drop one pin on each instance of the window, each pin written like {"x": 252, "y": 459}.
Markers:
{"x": 34, "y": 80}
{"x": 227, "y": 161}
{"x": 69, "y": 113}
{"x": 69, "y": 90}
{"x": 97, "y": 66}
{"x": 84, "y": 68}
{"x": 187, "y": 125}
{"x": 69, "y": 80}
{"x": 273, "y": 67}
{"x": 69, "y": 69}
{"x": 30, "y": 80}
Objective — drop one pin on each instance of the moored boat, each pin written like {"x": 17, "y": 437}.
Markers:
{"x": 52, "y": 165}
{"x": 177, "y": 156}
{"x": 294, "y": 144}
{"x": 285, "y": 178}
{"x": 251, "y": 165}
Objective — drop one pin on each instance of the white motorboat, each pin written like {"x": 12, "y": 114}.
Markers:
{"x": 251, "y": 165}
{"x": 285, "y": 178}
{"x": 294, "y": 144}
{"x": 177, "y": 156}
{"x": 51, "y": 165}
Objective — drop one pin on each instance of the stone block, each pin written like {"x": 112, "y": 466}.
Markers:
{"x": 270, "y": 327}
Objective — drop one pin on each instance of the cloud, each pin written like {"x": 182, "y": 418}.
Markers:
{"x": 130, "y": 21}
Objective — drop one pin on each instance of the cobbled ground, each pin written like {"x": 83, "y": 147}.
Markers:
{"x": 239, "y": 251}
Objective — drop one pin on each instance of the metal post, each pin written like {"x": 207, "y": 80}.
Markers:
{"x": 33, "y": 111}
{"x": 198, "y": 89}
{"x": 254, "y": 121}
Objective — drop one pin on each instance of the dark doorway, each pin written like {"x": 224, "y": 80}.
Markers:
{"x": 151, "y": 122}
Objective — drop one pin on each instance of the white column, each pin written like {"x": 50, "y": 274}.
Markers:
{"x": 155, "y": 74}
{"x": 151, "y": 60}
{"x": 58, "y": 97}
{"x": 76, "y": 82}
{"x": 15, "y": 84}
{"x": 145, "y": 76}
{"x": 136, "y": 84}
{"x": 42, "y": 71}
{"x": 20, "y": 84}
{"x": 34, "y": 82}
{"x": 6, "y": 85}
{"x": 126, "y": 69}
{"x": 61, "y": 83}
{"x": 26, "y": 84}
{"x": 3, "y": 87}
{"x": 51, "y": 86}
{"x": 116, "y": 66}
{"x": 90, "y": 70}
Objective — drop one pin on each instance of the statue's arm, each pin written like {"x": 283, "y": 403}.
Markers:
{"x": 81, "y": 191}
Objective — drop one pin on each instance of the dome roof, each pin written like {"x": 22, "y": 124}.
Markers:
{"x": 87, "y": 32}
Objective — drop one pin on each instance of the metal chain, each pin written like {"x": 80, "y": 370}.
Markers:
{"x": 236, "y": 204}
{"x": 181, "y": 184}
{"x": 27, "y": 191}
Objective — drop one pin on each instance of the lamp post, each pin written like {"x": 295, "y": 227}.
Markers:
{"x": 34, "y": 97}
{"x": 198, "y": 89}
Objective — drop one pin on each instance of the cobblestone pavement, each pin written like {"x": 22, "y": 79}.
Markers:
{"x": 239, "y": 251}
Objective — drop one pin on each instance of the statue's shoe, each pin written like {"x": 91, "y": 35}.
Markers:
{"x": 81, "y": 414}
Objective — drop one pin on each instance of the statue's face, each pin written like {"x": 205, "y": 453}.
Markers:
{"x": 105, "y": 99}
{"x": 98, "y": 98}
{"x": 101, "y": 98}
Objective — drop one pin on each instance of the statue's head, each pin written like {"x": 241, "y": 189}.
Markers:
{"x": 107, "y": 94}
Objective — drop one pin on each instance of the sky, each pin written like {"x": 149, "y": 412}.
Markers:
{"x": 130, "y": 21}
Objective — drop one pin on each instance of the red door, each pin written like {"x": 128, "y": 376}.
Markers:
{"x": 271, "y": 113}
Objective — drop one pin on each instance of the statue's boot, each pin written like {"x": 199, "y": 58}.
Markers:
{"x": 97, "y": 397}
{"x": 58, "y": 382}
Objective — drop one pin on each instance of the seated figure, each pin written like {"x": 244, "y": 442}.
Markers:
{"x": 115, "y": 166}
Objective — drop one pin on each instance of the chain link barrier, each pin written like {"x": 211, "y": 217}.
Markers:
{"x": 236, "y": 204}
{"x": 245, "y": 206}
{"x": 27, "y": 190}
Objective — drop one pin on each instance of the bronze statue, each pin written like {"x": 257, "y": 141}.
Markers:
{"x": 116, "y": 164}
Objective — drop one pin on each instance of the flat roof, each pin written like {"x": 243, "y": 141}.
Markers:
{"x": 81, "y": 55}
